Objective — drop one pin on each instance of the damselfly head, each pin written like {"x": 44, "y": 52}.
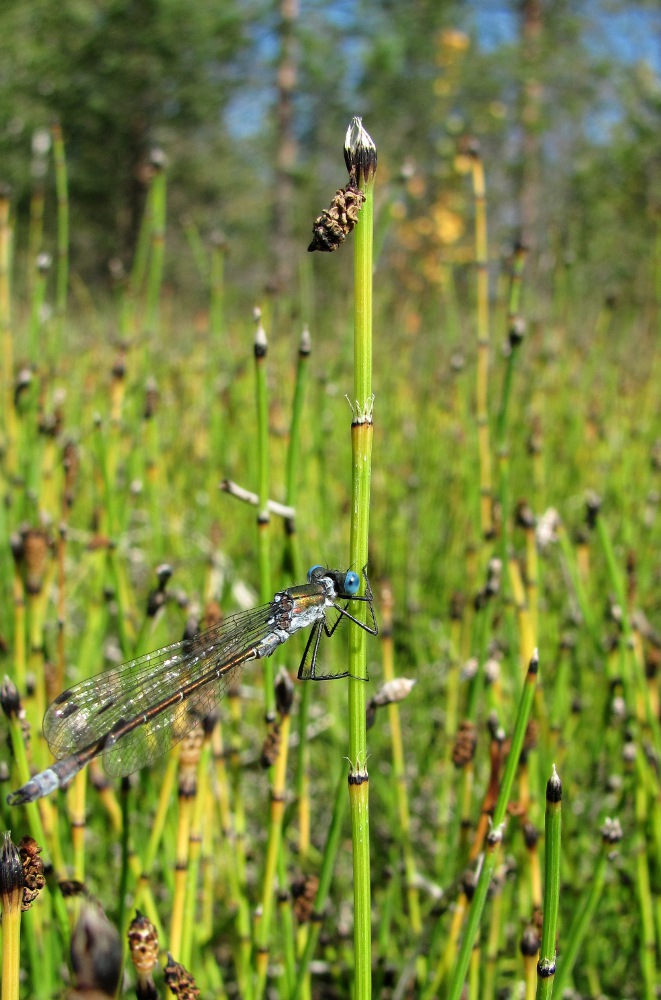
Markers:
{"x": 345, "y": 584}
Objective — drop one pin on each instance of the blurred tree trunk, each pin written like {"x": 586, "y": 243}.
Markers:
{"x": 286, "y": 151}
{"x": 531, "y": 31}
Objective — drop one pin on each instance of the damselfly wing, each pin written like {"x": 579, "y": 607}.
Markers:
{"x": 134, "y": 713}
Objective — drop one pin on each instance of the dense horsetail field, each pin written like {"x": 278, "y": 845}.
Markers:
{"x": 514, "y": 539}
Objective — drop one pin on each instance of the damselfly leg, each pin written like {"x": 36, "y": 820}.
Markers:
{"x": 308, "y": 668}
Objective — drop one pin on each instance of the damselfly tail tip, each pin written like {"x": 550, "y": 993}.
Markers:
{"x": 42, "y": 784}
{"x": 20, "y": 796}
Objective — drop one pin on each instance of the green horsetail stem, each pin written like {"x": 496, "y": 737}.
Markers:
{"x": 495, "y": 836}
{"x": 361, "y": 157}
{"x": 552, "y": 858}
{"x": 11, "y": 896}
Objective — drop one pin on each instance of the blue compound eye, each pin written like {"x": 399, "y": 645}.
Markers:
{"x": 313, "y": 572}
{"x": 351, "y": 583}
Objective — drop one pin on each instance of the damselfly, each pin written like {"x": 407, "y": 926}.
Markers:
{"x": 134, "y": 713}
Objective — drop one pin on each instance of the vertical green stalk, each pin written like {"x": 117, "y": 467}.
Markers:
{"x": 579, "y": 587}
{"x": 399, "y": 773}
{"x": 7, "y": 346}
{"x": 233, "y": 831}
{"x": 274, "y": 842}
{"x": 43, "y": 262}
{"x": 8, "y": 429}
{"x": 634, "y": 672}
{"x": 117, "y": 577}
{"x": 515, "y": 337}
{"x": 492, "y": 949}
{"x": 482, "y": 393}
{"x": 192, "y": 234}
{"x": 302, "y": 780}
{"x": 263, "y": 517}
{"x": 125, "y": 851}
{"x": 293, "y": 452}
{"x": 11, "y": 894}
{"x": 62, "y": 191}
{"x": 287, "y": 934}
{"x": 278, "y": 772}
{"x": 611, "y": 834}
{"x": 140, "y": 260}
{"x": 360, "y": 156}
{"x": 216, "y": 416}
{"x": 201, "y": 805}
{"x": 553, "y": 828}
{"x": 495, "y": 837}
{"x": 217, "y": 289}
{"x": 325, "y": 877}
{"x": 41, "y": 145}
{"x": 648, "y": 944}
{"x": 155, "y": 276}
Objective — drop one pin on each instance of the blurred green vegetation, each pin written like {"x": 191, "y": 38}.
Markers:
{"x": 247, "y": 101}
{"x": 124, "y": 407}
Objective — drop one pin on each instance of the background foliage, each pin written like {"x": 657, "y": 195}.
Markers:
{"x": 564, "y": 98}
{"x": 530, "y": 351}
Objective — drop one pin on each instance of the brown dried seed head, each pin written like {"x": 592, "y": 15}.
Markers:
{"x": 465, "y": 744}
{"x": 152, "y": 397}
{"x": 35, "y": 552}
{"x": 213, "y": 615}
{"x": 457, "y": 605}
{"x": 336, "y": 222}
{"x": 71, "y": 463}
{"x": 143, "y": 944}
{"x": 271, "y": 746}
{"x": 181, "y": 983}
{"x": 531, "y": 737}
{"x": 71, "y": 887}
{"x": 304, "y": 893}
{"x": 33, "y": 870}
